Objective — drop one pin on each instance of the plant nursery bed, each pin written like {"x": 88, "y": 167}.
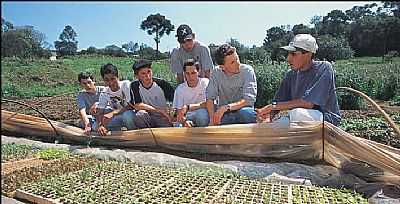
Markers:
{"x": 22, "y": 172}
{"x": 118, "y": 182}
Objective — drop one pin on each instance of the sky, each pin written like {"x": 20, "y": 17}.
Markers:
{"x": 106, "y": 23}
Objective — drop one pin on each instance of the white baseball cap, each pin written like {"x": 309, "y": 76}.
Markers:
{"x": 304, "y": 41}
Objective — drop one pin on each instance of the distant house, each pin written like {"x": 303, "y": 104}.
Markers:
{"x": 53, "y": 56}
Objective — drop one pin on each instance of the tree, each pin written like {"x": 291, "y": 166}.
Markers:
{"x": 316, "y": 21}
{"x": 6, "y": 25}
{"x": 301, "y": 29}
{"x": 92, "y": 50}
{"x": 335, "y": 23}
{"x": 333, "y": 48}
{"x": 114, "y": 50}
{"x": 23, "y": 41}
{"x": 67, "y": 43}
{"x": 130, "y": 46}
{"x": 157, "y": 24}
{"x": 275, "y": 38}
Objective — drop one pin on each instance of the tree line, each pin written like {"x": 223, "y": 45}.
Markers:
{"x": 368, "y": 30}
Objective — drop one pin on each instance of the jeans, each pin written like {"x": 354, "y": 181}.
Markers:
{"x": 125, "y": 119}
{"x": 199, "y": 117}
{"x": 241, "y": 116}
{"x": 146, "y": 119}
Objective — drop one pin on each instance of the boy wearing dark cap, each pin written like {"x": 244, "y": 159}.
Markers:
{"x": 150, "y": 96}
{"x": 190, "y": 49}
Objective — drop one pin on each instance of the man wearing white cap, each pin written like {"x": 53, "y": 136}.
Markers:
{"x": 308, "y": 89}
{"x": 190, "y": 49}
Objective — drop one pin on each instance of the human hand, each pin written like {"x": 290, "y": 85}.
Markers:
{"x": 264, "y": 112}
{"x": 102, "y": 130}
{"x": 165, "y": 114}
{"x": 218, "y": 115}
{"x": 87, "y": 129}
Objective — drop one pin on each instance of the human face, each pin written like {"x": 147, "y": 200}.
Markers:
{"x": 299, "y": 60}
{"x": 188, "y": 44}
{"x": 145, "y": 75}
{"x": 192, "y": 76}
{"x": 111, "y": 81}
{"x": 231, "y": 64}
{"x": 88, "y": 84}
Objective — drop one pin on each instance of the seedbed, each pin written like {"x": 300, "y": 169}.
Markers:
{"x": 11, "y": 180}
{"x": 117, "y": 182}
{"x": 13, "y": 152}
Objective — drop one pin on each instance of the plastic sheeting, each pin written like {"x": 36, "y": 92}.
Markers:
{"x": 298, "y": 141}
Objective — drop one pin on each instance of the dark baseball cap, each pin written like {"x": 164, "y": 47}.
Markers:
{"x": 184, "y": 32}
{"x": 141, "y": 64}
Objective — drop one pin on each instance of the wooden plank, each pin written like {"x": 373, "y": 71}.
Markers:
{"x": 20, "y": 194}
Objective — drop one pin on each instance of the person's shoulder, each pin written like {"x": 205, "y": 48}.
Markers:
{"x": 180, "y": 87}
{"x": 246, "y": 68}
{"x": 322, "y": 63}
{"x": 126, "y": 82}
{"x": 323, "y": 66}
{"x": 204, "y": 80}
{"x": 175, "y": 51}
{"x": 199, "y": 45}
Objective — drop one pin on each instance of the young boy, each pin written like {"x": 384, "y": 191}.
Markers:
{"x": 234, "y": 85}
{"x": 190, "y": 96}
{"x": 149, "y": 96}
{"x": 87, "y": 101}
{"x": 117, "y": 93}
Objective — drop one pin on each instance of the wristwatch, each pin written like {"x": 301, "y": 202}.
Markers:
{"x": 274, "y": 103}
{"x": 228, "y": 107}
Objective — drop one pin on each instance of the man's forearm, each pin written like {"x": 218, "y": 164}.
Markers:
{"x": 296, "y": 103}
{"x": 210, "y": 107}
{"x": 83, "y": 116}
{"x": 239, "y": 104}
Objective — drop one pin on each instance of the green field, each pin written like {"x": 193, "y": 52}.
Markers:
{"x": 41, "y": 77}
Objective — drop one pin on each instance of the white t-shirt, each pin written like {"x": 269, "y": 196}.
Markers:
{"x": 109, "y": 97}
{"x": 187, "y": 95}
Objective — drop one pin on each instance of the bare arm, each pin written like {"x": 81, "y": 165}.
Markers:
{"x": 87, "y": 127}
{"x": 233, "y": 106}
{"x": 210, "y": 109}
{"x": 147, "y": 107}
{"x": 296, "y": 103}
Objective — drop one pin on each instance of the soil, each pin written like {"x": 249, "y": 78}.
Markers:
{"x": 10, "y": 167}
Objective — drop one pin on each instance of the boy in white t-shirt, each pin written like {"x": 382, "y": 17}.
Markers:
{"x": 117, "y": 94}
{"x": 190, "y": 97}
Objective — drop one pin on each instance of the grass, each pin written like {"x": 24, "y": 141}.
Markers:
{"x": 41, "y": 77}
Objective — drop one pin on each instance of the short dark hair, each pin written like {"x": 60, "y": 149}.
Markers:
{"x": 223, "y": 51}
{"x": 108, "y": 69}
{"x": 139, "y": 64}
{"x": 85, "y": 75}
{"x": 191, "y": 62}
